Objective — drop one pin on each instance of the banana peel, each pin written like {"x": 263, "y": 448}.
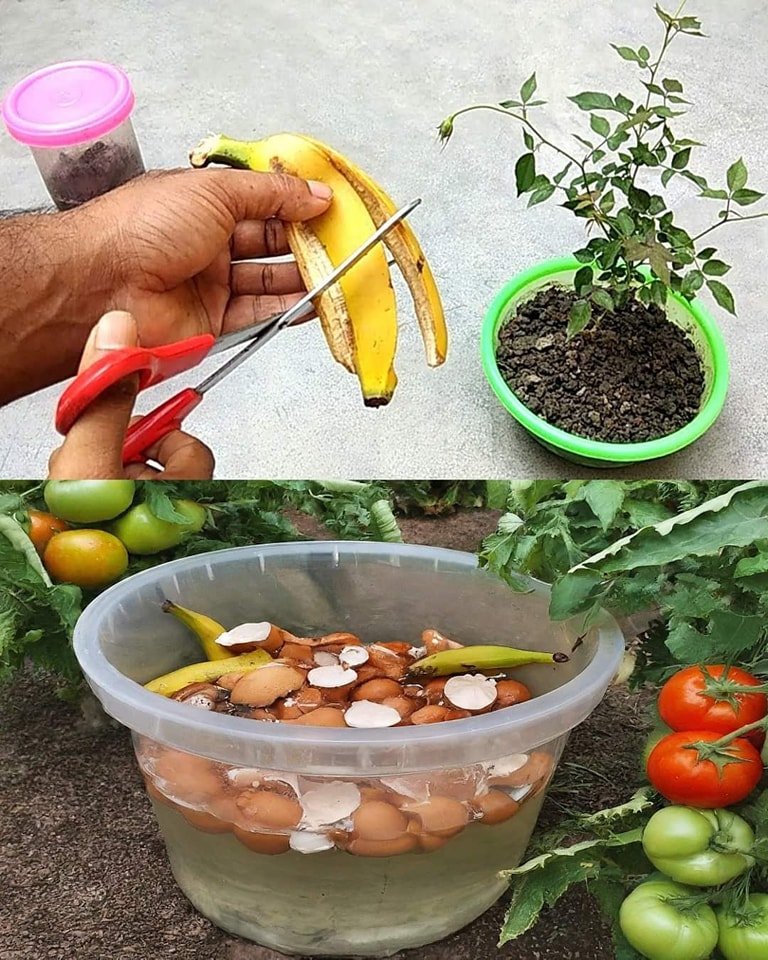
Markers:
{"x": 479, "y": 659}
{"x": 359, "y": 314}
{"x": 204, "y": 628}
{"x": 206, "y": 672}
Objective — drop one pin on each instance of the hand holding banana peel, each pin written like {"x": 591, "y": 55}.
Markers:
{"x": 359, "y": 314}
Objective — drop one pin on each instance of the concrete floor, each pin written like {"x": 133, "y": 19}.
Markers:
{"x": 374, "y": 79}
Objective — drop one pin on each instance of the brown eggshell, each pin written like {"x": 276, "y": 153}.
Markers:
{"x": 510, "y": 692}
{"x": 261, "y": 713}
{"x": 299, "y": 652}
{"x": 430, "y": 714}
{"x": 427, "y": 842}
{"x": 405, "y": 843}
{"x": 436, "y": 642}
{"x": 272, "y": 644}
{"x": 442, "y": 816}
{"x": 261, "y": 687}
{"x": 206, "y": 822}
{"x": 377, "y": 820}
{"x": 375, "y": 793}
{"x": 186, "y": 776}
{"x": 397, "y": 646}
{"x": 434, "y": 690}
{"x": 495, "y": 806}
{"x": 156, "y": 794}
{"x": 321, "y": 717}
{"x": 228, "y": 680}
{"x": 403, "y": 705}
{"x": 269, "y": 844}
{"x": 414, "y": 691}
{"x": 263, "y": 808}
{"x": 377, "y": 690}
{"x": 538, "y": 767}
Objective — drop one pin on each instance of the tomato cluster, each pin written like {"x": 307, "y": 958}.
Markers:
{"x": 76, "y": 548}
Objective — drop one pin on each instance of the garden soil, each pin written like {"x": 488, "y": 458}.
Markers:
{"x": 83, "y": 873}
{"x": 633, "y": 377}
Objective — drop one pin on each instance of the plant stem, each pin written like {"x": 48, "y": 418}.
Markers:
{"x": 735, "y": 735}
{"x": 728, "y": 219}
{"x": 668, "y": 38}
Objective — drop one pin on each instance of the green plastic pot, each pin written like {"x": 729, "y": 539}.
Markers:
{"x": 691, "y": 317}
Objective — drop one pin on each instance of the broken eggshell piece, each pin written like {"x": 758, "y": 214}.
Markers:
{"x": 327, "y": 803}
{"x": 331, "y": 677}
{"x": 470, "y": 691}
{"x": 367, "y": 715}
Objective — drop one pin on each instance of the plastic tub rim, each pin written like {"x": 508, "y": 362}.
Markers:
{"x": 113, "y": 689}
{"x": 569, "y": 444}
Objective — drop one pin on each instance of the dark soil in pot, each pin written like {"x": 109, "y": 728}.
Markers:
{"x": 633, "y": 377}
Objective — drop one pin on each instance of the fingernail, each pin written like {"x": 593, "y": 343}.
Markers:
{"x": 320, "y": 190}
{"x": 116, "y": 329}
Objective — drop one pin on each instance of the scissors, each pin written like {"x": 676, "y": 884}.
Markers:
{"x": 156, "y": 364}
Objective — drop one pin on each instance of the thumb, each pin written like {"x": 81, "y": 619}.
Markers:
{"x": 93, "y": 448}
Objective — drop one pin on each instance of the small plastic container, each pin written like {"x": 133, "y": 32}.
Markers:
{"x": 76, "y": 119}
{"x": 463, "y": 796}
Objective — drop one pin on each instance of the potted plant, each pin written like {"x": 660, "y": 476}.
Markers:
{"x": 607, "y": 356}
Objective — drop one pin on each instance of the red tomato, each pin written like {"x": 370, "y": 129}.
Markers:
{"x": 684, "y": 703}
{"x": 678, "y": 773}
{"x": 42, "y": 527}
{"x": 88, "y": 558}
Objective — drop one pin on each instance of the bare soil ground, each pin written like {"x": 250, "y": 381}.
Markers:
{"x": 83, "y": 872}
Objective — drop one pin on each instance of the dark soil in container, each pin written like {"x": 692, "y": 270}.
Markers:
{"x": 635, "y": 376}
{"x": 100, "y": 168}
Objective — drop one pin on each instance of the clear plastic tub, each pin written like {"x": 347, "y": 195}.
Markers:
{"x": 76, "y": 119}
{"x": 461, "y": 798}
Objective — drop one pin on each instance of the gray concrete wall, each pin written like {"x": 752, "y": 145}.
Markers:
{"x": 374, "y": 79}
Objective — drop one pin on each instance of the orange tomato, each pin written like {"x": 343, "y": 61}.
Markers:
{"x": 88, "y": 558}
{"x": 42, "y": 526}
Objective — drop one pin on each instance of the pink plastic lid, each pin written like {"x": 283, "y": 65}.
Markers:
{"x": 68, "y": 103}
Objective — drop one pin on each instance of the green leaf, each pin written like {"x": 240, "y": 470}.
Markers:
{"x": 528, "y": 140}
{"x": 672, "y": 86}
{"x": 681, "y": 158}
{"x": 584, "y": 256}
{"x": 559, "y": 177}
{"x": 737, "y": 518}
{"x": 654, "y": 88}
{"x": 645, "y": 53}
{"x": 623, "y": 104}
{"x": 745, "y": 198}
{"x": 605, "y": 499}
{"x": 525, "y": 173}
{"x": 627, "y": 53}
{"x": 749, "y": 566}
{"x": 667, "y": 176}
{"x": 580, "y": 315}
{"x": 737, "y": 176}
{"x": 692, "y": 282}
{"x": 600, "y": 125}
{"x": 625, "y": 223}
{"x": 542, "y": 193}
{"x": 510, "y": 104}
{"x": 711, "y": 194}
{"x": 707, "y": 253}
{"x": 593, "y": 101}
{"x": 575, "y": 593}
{"x": 722, "y": 295}
{"x": 716, "y": 268}
{"x": 583, "y": 280}
{"x": 528, "y": 88}
{"x": 161, "y": 505}
{"x": 603, "y": 299}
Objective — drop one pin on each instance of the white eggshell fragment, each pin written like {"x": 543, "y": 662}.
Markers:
{"x": 302, "y": 841}
{"x": 325, "y": 659}
{"x": 367, "y": 715}
{"x": 353, "y": 656}
{"x": 328, "y": 803}
{"x": 470, "y": 692}
{"x": 331, "y": 677}
{"x": 245, "y": 633}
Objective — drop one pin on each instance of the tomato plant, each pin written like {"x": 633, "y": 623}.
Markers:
{"x": 87, "y": 558}
{"x": 680, "y": 770}
{"x": 661, "y": 929}
{"x": 88, "y": 501}
{"x": 143, "y": 533}
{"x": 703, "y": 848}
{"x": 711, "y": 698}
{"x": 744, "y": 935}
{"x": 42, "y": 526}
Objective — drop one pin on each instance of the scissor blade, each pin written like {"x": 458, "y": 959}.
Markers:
{"x": 273, "y": 327}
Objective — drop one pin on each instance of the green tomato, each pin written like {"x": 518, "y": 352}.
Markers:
{"x": 745, "y": 937}
{"x": 660, "y": 930}
{"x": 88, "y": 501}
{"x": 690, "y": 845}
{"x": 143, "y": 533}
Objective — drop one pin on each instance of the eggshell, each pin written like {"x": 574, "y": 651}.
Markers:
{"x": 510, "y": 692}
{"x": 156, "y": 794}
{"x": 204, "y": 821}
{"x": 403, "y": 705}
{"x": 269, "y": 844}
{"x": 187, "y": 777}
{"x": 427, "y": 842}
{"x": 538, "y": 767}
{"x": 495, "y": 806}
{"x": 377, "y": 690}
{"x": 321, "y": 717}
{"x": 228, "y": 680}
{"x": 405, "y": 843}
{"x": 376, "y": 820}
{"x": 430, "y": 714}
{"x": 261, "y": 687}
{"x": 434, "y": 690}
{"x": 299, "y": 652}
{"x": 442, "y": 816}
{"x": 263, "y": 808}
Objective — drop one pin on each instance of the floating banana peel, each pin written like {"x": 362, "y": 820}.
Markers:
{"x": 204, "y": 628}
{"x": 206, "y": 672}
{"x": 468, "y": 659}
{"x": 359, "y": 314}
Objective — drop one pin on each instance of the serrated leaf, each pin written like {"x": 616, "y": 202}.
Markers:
{"x": 692, "y": 283}
{"x": 737, "y": 176}
{"x": 715, "y": 268}
{"x": 575, "y": 593}
{"x": 605, "y": 499}
{"x": 579, "y": 317}
{"x": 722, "y": 295}
{"x": 528, "y": 88}
{"x": 749, "y": 566}
{"x": 603, "y": 299}
{"x": 161, "y": 505}
{"x": 525, "y": 173}
{"x": 745, "y": 198}
{"x": 590, "y": 100}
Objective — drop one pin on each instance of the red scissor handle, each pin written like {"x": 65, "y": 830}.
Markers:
{"x": 153, "y": 365}
{"x": 145, "y": 433}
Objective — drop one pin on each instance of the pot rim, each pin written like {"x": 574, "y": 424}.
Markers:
{"x": 583, "y": 447}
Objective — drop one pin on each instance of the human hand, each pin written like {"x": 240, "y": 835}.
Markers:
{"x": 172, "y": 241}
{"x": 93, "y": 447}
